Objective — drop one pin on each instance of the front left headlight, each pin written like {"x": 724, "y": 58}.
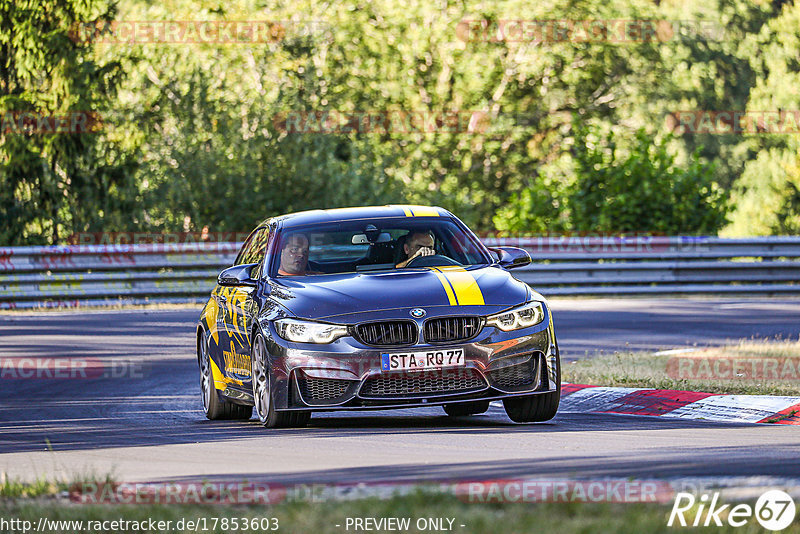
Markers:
{"x": 529, "y": 314}
{"x": 309, "y": 331}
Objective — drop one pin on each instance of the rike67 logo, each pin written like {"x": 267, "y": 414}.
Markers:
{"x": 774, "y": 510}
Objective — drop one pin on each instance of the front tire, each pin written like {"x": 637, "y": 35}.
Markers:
{"x": 463, "y": 409}
{"x": 262, "y": 392}
{"x": 536, "y": 408}
{"x": 213, "y": 407}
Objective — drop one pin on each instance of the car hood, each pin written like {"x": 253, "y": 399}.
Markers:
{"x": 439, "y": 291}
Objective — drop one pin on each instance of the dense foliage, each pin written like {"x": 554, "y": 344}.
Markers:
{"x": 642, "y": 191}
{"x": 560, "y": 135}
{"x": 51, "y": 184}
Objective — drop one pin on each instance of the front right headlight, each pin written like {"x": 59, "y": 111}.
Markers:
{"x": 309, "y": 331}
{"x": 529, "y": 314}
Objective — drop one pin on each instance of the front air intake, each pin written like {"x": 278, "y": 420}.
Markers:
{"x": 451, "y": 329}
{"x": 387, "y": 333}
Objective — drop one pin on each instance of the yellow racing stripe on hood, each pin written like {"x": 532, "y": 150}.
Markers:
{"x": 466, "y": 288}
{"x": 446, "y": 285}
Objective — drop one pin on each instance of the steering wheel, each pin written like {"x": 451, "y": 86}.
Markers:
{"x": 435, "y": 260}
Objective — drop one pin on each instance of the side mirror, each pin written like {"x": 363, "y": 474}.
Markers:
{"x": 238, "y": 275}
{"x": 511, "y": 257}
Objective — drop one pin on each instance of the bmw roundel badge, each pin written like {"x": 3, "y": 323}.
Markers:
{"x": 417, "y": 313}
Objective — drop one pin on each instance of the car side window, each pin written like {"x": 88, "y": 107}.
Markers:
{"x": 258, "y": 251}
{"x": 253, "y": 250}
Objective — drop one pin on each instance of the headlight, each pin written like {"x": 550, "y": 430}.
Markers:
{"x": 309, "y": 331}
{"x": 529, "y": 314}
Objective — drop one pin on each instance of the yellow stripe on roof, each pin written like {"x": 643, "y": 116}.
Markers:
{"x": 413, "y": 210}
{"x": 423, "y": 211}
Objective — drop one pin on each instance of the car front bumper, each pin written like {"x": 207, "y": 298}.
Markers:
{"x": 347, "y": 375}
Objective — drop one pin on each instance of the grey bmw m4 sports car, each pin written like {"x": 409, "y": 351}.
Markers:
{"x": 374, "y": 308}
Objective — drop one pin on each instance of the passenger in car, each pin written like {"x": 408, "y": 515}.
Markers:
{"x": 294, "y": 256}
{"x": 417, "y": 243}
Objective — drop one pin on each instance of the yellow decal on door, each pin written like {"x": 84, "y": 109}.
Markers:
{"x": 210, "y": 318}
{"x": 219, "y": 380}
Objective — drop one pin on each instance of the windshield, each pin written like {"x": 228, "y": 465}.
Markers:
{"x": 375, "y": 245}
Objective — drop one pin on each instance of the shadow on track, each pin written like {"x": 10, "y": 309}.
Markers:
{"x": 691, "y": 462}
{"x": 88, "y": 423}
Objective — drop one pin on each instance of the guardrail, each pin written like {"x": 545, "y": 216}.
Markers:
{"x": 578, "y": 265}
{"x": 99, "y": 275}
{"x": 66, "y": 276}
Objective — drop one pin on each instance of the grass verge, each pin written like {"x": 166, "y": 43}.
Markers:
{"x": 15, "y": 489}
{"x": 748, "y": 368}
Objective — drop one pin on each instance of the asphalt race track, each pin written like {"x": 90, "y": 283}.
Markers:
{"x": 142, "y": 419}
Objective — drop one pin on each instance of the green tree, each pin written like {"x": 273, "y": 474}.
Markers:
{"x": 641, "y": 190}
{"x": 765, "y": 197}
{"x": 194, "y": 143}
{"x": 53, "y": 184}
{"x": 415, "y": 56}
{"x": 204, "y": 116}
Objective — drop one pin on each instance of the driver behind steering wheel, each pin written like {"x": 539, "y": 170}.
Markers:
{"x": 418, "y": 243}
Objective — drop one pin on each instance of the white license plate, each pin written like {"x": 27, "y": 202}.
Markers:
{"x": 431, "y": 359}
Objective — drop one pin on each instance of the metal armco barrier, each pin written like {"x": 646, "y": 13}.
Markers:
{"x": 579, "y": 265}
{"x": 66, "y": 276}
{"x": 98, "y": 275}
